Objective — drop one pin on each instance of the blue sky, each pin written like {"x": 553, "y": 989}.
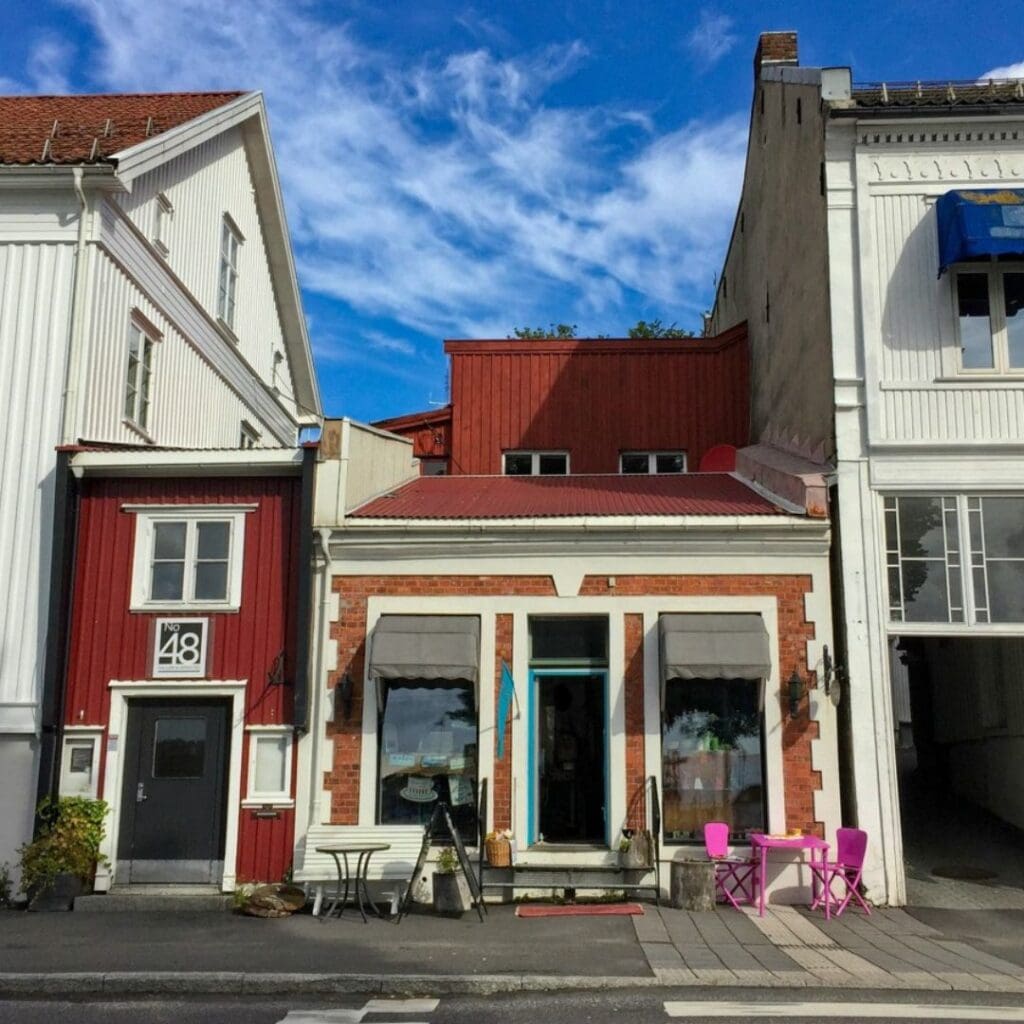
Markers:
{"x": 459, "y": 169}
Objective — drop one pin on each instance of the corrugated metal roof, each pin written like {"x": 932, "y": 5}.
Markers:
{"x": 528, "y": 497}
{"x": 90, "y": 129}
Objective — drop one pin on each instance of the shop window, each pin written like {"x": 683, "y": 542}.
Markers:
{"x": 990, "y": 319}
{"x": 652, "y": 462}
{"x": 923, "y": 559}
{"x": 188, "y": 559}
{"x": 561, "y": 640}
{"x": 712, "y": 757}
{"x": 428, "y": 753}
{"x": 997, "y": 557}
{"x": 535, "y": 463}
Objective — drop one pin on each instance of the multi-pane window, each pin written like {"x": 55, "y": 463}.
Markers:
{"x": 990, "y": 319}
{"x": 162, "y": 224}
{"x": 138, "y": 377}
{"x": 230, "y": 243}
{"x": 930, "y": 581}
{"x": 652, "y": 462}
{"x": 712, "y": 758}
{"x": 535, "y": 463}
{"x": 248, "y": 436}
{"x": 428, "y": 753}
{"x": 184, "y": 561}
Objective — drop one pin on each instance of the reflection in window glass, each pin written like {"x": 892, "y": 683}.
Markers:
{"x": 168, "y": 575}
{"x": 212, "y": 551}
{"x": 271, "y": 764}
{"x": 997, "y": 557}
{"x": 712, "y": 758}
{"x": 553, "y": 465}
{"x": 569, "y": 638}
{"x": 428, "y": 752}
{"x": 179, "y": 748}
{"x": 670, "y": 462}
{"x": 923, "y": 559}
{"x": 635, "y": 463}
{"x": 975, "y": 323}
{"x": 1013, "y": 289}
{"x": 518, "y": 463}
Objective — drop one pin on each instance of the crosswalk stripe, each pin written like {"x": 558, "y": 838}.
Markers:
{"x": 401, "y": 1006}
{"x": 885, "y": 1011}
{"x": 351, "y": 1015}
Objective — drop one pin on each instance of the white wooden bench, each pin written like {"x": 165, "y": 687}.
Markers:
{"x": 318, "y": 870}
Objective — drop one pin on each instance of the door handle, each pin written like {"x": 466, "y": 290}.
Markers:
{"x": 140, "y": 793}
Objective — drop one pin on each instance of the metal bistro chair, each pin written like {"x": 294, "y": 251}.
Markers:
{"x": 852, "y": 845}
{"x": 735, "y": 877}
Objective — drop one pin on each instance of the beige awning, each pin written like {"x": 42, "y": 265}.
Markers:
{"x": 713, "y": 646}
{"x": 426, "y": 647}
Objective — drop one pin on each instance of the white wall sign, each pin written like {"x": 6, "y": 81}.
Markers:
{"x": 179, "y": 648}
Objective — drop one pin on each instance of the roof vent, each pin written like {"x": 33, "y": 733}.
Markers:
{"x": 149, "y": 126}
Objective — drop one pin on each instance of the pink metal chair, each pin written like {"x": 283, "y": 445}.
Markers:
{"x": 735, "y": 877}
{"x": 852, "y": 844}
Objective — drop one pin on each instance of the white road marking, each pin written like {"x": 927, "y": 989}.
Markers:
{"x": 882, "y": 1011}
{"x": 401, "y": 1006}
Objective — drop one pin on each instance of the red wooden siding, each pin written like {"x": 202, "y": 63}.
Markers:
{"x": 429, "y": 431}
{"x": 110, "y": 642}
{"x": 596, "y": 399}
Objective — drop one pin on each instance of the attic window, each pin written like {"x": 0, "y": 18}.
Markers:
{"x": 162, "y": 224}
{"x": 230, "y": 244}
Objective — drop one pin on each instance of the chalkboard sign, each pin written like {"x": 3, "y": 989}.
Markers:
{"x": 442, "y": 826}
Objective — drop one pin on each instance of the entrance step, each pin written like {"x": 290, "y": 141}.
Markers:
{"x": 149, "y": 898}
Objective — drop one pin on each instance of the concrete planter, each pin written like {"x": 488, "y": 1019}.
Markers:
{"x": 693, "y": 885}
{"x": 451, "y": 894}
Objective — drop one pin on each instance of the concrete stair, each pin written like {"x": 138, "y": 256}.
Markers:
{"x": 155, "y": 898}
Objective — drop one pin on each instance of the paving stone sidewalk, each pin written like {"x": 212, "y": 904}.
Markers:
{"x": 791, "y": 948}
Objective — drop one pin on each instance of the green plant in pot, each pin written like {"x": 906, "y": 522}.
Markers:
{"x": 60, "y": 863}
{"x": 451, "y": 892}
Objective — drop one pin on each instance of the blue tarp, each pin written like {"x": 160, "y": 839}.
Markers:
{"x": 975, "y": 223}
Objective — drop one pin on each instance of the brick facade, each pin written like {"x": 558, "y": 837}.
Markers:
{"x": 801, "y": 780}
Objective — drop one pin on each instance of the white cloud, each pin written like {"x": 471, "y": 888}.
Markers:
{"x": 46, "y": 68}
{"x": 712, "y": 38}
{"x": 448, "y": 195}
{"x": 1007, "y": 71}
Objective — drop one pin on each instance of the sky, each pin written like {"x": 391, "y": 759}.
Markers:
{"x": 457, "y": 170}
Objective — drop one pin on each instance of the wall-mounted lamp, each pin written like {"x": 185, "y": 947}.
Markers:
{"x": 796, "y": 693}
{"x": 343, "y": 698}
{"x": 833, "y": 676}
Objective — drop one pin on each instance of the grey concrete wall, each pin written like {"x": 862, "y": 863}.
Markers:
{"x": 18, "y": 774}
{"x": 776, "y": 272}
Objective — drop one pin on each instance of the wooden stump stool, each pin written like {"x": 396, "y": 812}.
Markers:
{"x": 693, "y": 885}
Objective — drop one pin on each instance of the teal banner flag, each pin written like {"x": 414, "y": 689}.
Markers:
{"x": 505, "y": 697}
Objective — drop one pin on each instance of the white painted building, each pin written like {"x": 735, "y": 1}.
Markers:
{"x": 147, "y": 297}
{"x": 888, "y": 348}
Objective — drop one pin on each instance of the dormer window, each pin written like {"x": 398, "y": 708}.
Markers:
{"x": 535, "y": 463}
{"x": 990, "y": 318}
{"x": 230, "y": 244}
{"x": 652, "y": 462}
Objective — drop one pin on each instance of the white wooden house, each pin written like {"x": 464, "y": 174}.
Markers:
{"x": 147, "y": 297}
{"x": 878, "y": 259}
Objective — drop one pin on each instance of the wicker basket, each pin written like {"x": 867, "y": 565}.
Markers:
{"x": 498, "y": 852}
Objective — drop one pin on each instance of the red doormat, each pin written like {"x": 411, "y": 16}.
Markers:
{"x": 578, "y": 910}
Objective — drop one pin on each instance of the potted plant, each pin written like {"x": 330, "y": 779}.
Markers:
{"x": 451, "y": 892}
{"x": 60, "y": 863}
{"x": 635, "y": 853}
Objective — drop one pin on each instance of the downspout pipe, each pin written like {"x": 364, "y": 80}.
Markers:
{"x": 58, "y": 627}
{"x": 304, "y": 601}
{"x": 73, "y": 366}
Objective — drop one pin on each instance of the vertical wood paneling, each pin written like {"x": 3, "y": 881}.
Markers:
{"x": 595, "y": 400}
{"x": 35, "y": 287}
{"x": 204, "y": 184}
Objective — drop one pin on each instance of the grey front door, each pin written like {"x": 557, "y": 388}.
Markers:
{"x": 174, "y": 796}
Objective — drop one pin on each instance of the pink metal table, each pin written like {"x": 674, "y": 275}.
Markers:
{"x": 762, "y": 843}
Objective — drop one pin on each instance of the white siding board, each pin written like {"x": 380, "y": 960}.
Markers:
{"x": 39, "y": 216}
{"x": 203, "y": 185}
{"x": 35, "y": 284}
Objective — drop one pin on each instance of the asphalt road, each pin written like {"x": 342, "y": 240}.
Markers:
{"x": 651, "y": 1006}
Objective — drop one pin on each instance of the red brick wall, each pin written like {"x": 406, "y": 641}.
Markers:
{"x": 636, "y": 805}
{"x": 502, "y": 798}
{"x": 801, "y": 781}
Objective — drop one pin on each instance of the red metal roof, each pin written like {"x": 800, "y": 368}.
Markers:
{"x": 527, "y": 497}
{"x": 65, "y": 129}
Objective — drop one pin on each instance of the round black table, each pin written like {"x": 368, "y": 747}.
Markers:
{"x": 340, "y": 853}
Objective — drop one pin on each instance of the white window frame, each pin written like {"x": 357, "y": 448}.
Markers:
{"x": 248, "y": 436}
{"x": 534, "y": 462}
{"x": 253, "y": 796}
{"x": 143, "y": 336}
{"x": 80, "y": 736}
{"x": 231, "y": 240}
{"x": 162, "y": 223}
{"x": 994, "y": 271}
{"x": 652, "y": 462}
{"x": 142, "y": 560}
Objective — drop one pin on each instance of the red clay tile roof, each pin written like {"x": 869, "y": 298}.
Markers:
{"x": 996, "y": 92}
{"x": 527, "y": 497}
{"x": 75, "y": 130}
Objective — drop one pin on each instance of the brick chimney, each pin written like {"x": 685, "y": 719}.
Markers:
{"x": 774, "y": 48}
